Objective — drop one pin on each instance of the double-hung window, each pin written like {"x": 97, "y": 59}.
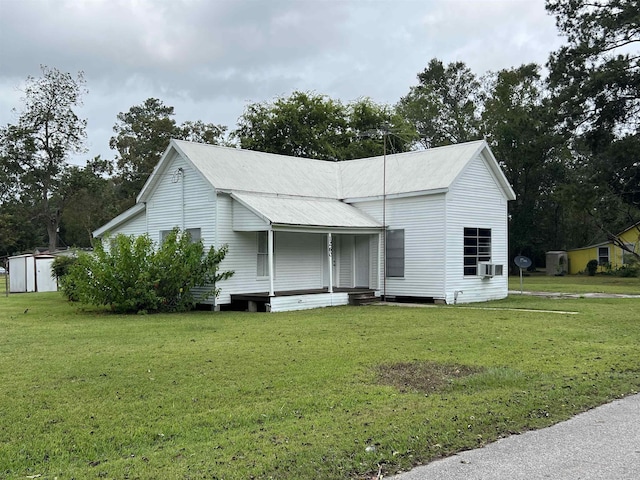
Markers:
{"x": 603, "y": 255}
{"x": 263, "y": 254}
{"x": 395, "y": 253}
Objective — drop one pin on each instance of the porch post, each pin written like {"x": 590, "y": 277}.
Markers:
{"x": 330, "y": 257}
{"x": 270, "y": 258}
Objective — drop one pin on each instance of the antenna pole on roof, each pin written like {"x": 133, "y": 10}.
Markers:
{"x": 385, "y": 132}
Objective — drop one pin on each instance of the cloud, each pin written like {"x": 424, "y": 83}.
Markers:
{"x": 210, "y": 58}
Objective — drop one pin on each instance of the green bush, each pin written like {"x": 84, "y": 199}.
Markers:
{"x": 132, "y": 275}
{"x": 631, "y": 269}
{"x": 59, "y": 269}
{"x": 592, "y": 267}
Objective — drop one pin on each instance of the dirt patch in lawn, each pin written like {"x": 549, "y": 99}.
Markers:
{"x": 422, "y": 377}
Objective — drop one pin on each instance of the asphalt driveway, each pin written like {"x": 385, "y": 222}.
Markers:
{"x": 603, "y": 443}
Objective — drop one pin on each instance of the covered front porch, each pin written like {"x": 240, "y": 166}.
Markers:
{"x": 310, "y": 253}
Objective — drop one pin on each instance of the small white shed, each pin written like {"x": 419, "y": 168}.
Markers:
{"x": 31, "y": 273}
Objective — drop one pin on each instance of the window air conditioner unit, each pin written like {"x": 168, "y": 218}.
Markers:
{"x": 488, "y": 270}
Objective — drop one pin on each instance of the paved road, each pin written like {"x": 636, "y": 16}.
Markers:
{"x": 601, "y": 444}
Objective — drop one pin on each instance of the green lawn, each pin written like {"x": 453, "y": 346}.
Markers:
{"x": 296, "y": 395}
{"x": 577, "y": 284}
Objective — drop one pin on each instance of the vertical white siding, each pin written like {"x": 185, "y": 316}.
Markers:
{"x": 345, "y": 260}
{"x": 476, "y": 201}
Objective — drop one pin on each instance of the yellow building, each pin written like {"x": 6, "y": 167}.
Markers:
{"x": 608, "y": 255}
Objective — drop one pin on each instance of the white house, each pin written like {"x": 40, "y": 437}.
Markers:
{"x": 303, "y": 233}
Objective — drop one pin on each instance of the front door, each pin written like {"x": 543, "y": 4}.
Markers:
{"x": 362, "y": 261}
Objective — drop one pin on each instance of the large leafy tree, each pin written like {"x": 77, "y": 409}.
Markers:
{"x": 36, "y": 149}
{"x": 445, "y": 105}
{"x": 301, "y": 125}
{"x": 142, "y": 135}
{"x": 375, "y": 129}
{"x": 18, "y": 231}
{"x": 310, "y": 125}
{"x": 91, "y": 201}
{"x": 597, "y": 73}
{"x": 595, "y": 79}
{"x": 518, "y": 123}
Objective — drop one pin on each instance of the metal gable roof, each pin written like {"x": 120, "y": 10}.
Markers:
{"x": 435, "y": 169}
{"x": 301, "y": 191}
{"x": 304, "y": 211}
{"x": 423, "y": 170}
{"x": 232, "y": 169}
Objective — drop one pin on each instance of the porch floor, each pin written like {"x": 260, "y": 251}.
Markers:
{"x": 264, "y": 296}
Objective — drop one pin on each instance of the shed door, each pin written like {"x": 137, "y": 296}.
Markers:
{"x": 45, "y": 281}
{"x": 18, "y": 275}
{"x": 362, "y": 261}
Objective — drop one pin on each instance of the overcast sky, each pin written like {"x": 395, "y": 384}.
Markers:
{"x": 210, "y": 58}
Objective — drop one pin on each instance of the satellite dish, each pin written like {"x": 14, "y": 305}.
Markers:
{"x": 522, "y": 262}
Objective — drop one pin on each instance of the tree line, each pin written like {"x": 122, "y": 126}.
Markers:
{"x": 567, "y": 137}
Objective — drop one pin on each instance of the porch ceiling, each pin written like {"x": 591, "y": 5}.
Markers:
{"x": 306, "y": 212}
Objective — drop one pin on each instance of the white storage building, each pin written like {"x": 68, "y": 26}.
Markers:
{"x": 31, "y": 273}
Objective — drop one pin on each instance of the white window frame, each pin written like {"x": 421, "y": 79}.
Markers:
{"x": 262, "y": 254}
{"x": 602, "y": 256}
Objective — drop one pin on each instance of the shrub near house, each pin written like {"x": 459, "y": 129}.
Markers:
{"x": 592, "y": 267}
{"x": 133, "y": 276}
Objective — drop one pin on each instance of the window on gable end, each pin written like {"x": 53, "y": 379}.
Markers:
{"x": 195, "y": 234}
{"x": 477, "y": 248}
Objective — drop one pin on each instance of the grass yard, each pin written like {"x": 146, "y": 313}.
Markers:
{"x": 577, "y": 284}
{"x": 331, "y": 393}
